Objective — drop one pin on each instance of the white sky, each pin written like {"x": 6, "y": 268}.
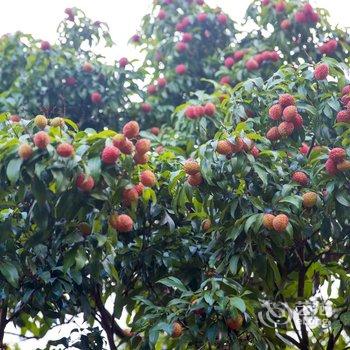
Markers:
{"x": 41, "y": 18}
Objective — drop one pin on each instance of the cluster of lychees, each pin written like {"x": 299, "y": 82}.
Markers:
{"x": 228, "y": 148}
{"x": 336, "y": 161}
{"x": 286, "y": 112}
{"x": 257, "y": 60}
{"x": 192, "y": 169}
{"x": 198, "y": 111}
{"x": 344, "y": 115}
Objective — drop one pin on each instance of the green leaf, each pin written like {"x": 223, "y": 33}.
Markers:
{"x": 173, "y": 282}
{"x": 296, "y": 201}
{"x": 13, "y": 169}
{"x": 238, "y": 303}
{"x": 9, "y": 271}
{"x": 342, "y": 198}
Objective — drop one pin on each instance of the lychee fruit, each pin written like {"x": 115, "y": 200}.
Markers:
{"x": 300, "y": 177}
{"x": 155, "y": 130}
{"x": 222, "y": 19}
{"x": 122, "y": 223}
{"x": 285, "y": 129}
{"x": 161, "y": 82}
{"x": 41, "y": 139}
{"x": 345, "y": 90}
{"x": 280, "y": 6}
{"x": 190, "y": 112}
{"x": 255, "y": 152}
{"x": 238, "y": 55}
{"x": 331, "y": 167}
{"x": 321, "y": 71}
{"x": 57, "y": 122}
{"x": 146, "y": 107}
{"x": 286, "y": 100}
{"x": 124, "y": 144}
{"x": 238, "y": 145}
{"x": 300, "y": 17}
{"x": 45, "y": 45}
{"x": 343, "y": 116}
{"x": 285, "y": 24}
{"x": 252, "y": 64}
{"x": 344, "y": 165}
{"x": 84, "y": 228}
{"x": 130, "y": 195}
{"x": 139, "y": 188}
{"x": 202, "y": 17}
{"x": 131, "y": 129}
{"x": 298, "y": 121}
{"x": 161, "y": 14}
{"x": 273, "y": 134}
{"x": 195, "y": 180}
{"x": 304, "y": 148}
{"x": 143, "y": 146}
{"x": 209, "y": 109}
{"x": 65, "y": 150}
{"x": 160, "y": 149}
{"x": 95, "y": 97}
{"x": 40, "y": 121}
{"x": 70, "y": 81}
{"x": 88, "y": 67}
{"x": 14, "y": 118}
{"x": 229, "y": 62}
{"x": 224, "y": 147}
{"x": 275, "y": 112}
{"x": 151, "y": 89}
{"x": 337, "y": 154}
{"x": 123, "y": 61}
{"x": 280, "y": 222}
{"x": 206, "y": 225}
{"x": 289, "y": 113}
{"x": 309, "y": 199}
{"x": 148, "y": 178}
{"x": 235, "y": 323}
{"x": 85, "y": 182}
{"x": 181, "y": 47}
{"x": 25, "y": 151}
{"x": 110, "y": 154}
{"x": 268, "y": 221}
{"x": 180, "y": 69}
{"x": 141, "y": 158}
{"x": 225, "y": 80}
{"x": 191, "y": 167}
{"x": 177, "y": 330}
{"x": 198, "y": 111}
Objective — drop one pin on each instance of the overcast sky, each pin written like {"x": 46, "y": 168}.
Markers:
{"x": 41, "y": 17}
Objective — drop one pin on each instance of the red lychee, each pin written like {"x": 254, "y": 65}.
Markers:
{"x": 180, "y": 69}
{"x": 155, "y": 131}
{"x": 224, "y": 147}
{"x": 151, "y": 89}
{"x": 225, "y": 80}
{"x": 286, "y": 100}
{"x": 252, "y": 64}
{"x": 161, "y": 82}
{"x": 131, "y": 129}
{"x": 96, "y": 97}
{"x": 122, "y": 223}
{"x": 202, "y": 17}
{"x": 331, "y": 167}
{"x": 181, "y": 47}
{"x": 88, "y": 67}
{"x": 285, "y": 24}
{"x": 146, "y": 107}
{"x": 273, "y": 134}
{"x": 235, "y": 323}
{"x": 141, "y": 158}
{"x": 148, "y": 178}
{"x": 280, "y": 6}
{"x": 229, "y": 62}
{"x": 280, "y": 222}
{"x": 161, "y": 14}
{"x": 298, "y": 121}
{"x": 85, "y": 182}
{"x": 65, "y": 150}
{"x": 289, "y": 113}
{"x": 177, "y": 330}
{"x": 123, "y": 62}
{"x": 337, "y": 154}
{"x": 345, "y": 90}
{"x": 209, "y": 109}
{"x": 300, "y": 177}
{"x": 41, "y": 139}
{"x": 321, "y": 71}
{"x": 45, "y": 45}
{"x": 110, "y": 154}
{"x": 143, "y": 146}
{"x": 222, "y": 19}
{"x": 285, "y": 129}
{"x": 186, "y": 37}
{"x": 238, "y": 55}
{"x": 300, "y": 17}
{"x": 255, "y": 152}
{"x": 343, "y": 116}
{"x": 304, "y": 149}
{"x": 275, "y": 112}
{"x": 139, "y": 188}
{"x": 195, "y": 180}
{"x": 191, "y": 167}
{"x": 130, "y": 196}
